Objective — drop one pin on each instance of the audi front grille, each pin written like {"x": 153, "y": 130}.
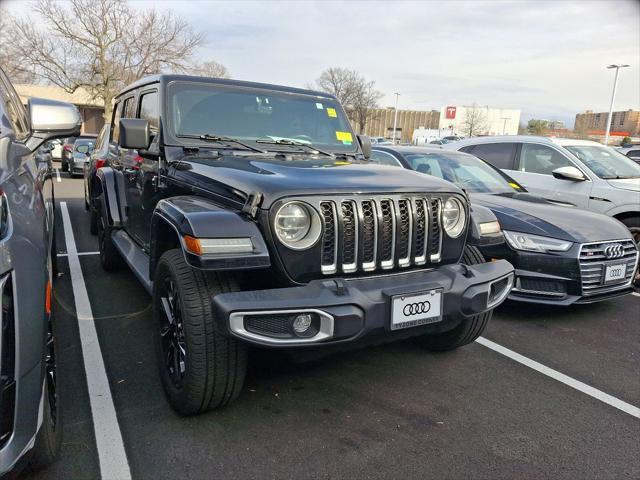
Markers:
{"x": 594, "y": 258}
{"x": 380, "y": 233}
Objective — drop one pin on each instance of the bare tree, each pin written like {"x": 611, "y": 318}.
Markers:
{"x": 209, "y": 69}
{"x": 18, "y": 72}
{"x": 475, "y": 121}
{"x": 358, "y": 96}
{"x": 101, "y": 45}
{"x": 365, "y": 102}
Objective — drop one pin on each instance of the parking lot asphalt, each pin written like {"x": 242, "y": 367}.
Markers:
{"x": 394, "y": 411}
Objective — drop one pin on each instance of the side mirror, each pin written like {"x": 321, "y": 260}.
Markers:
{"x": 569, "y": 173}
{"x": 52, "y": 119}
{"x": 134, "y": 133}
{"x": 365, "y": 145}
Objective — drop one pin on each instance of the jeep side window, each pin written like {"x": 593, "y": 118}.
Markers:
{"x": 149, "y": 110}
{"x": 500, "y": 155}
{"x": 115, "y": 131}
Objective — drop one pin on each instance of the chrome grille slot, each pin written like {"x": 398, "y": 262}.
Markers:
{"x": 420, "y": 242}
{"x": 593, "y": 262}
{"x": 388, "y": 234}
{"x": 435, "y": 230}
{"x": 329, "y": 238}
{"x": 405, "y": 232}
{"x": 369, "y": 235}
{"x": 349, "y": 236}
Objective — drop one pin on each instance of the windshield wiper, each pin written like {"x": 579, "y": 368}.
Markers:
{"x": 292, "y": 143}
{"x": 618, "y": 177}
{"x": 218, "y": 139}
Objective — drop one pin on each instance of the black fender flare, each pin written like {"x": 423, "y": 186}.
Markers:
{"x": 108, "y": 198}
{"x": 480, "y": 214}
{"x": 202, "y": 218}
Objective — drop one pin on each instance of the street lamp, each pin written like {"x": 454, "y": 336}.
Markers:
{"x": 395, "y": 118}
{"x": 613, "y": 97}
{"x": 504, "y": 124}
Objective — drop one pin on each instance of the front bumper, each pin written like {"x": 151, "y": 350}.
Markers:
{"x": 551, "y": 279}
{"x": 362, "y": 306}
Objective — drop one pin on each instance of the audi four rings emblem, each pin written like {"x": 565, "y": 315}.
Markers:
{"x": 416, "y": 308}
{"x": 615, "y": 250}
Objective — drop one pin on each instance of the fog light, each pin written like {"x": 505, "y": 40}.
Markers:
{"x": 302, "y": 323}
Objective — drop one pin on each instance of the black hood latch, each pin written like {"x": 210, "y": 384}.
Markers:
{"x": 250, "y": 207}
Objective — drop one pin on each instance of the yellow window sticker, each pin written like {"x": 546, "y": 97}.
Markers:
{"x": 514, "y": 185}
{"x": 332, "y": 112}
{"x": 344, "y": 137}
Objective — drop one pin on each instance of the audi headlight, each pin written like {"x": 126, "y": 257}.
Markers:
{"x": 297, "y": 225}
{"x": 535, "y": 243}
{"x": 454, "y": 217}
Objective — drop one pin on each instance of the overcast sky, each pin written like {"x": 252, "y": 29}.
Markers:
{"x": 546, "y": 58}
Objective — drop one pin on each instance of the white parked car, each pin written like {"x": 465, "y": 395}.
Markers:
{"x": 632, "y": 152}
{"x": 566, "y": 171}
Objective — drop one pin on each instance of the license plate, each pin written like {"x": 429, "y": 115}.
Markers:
{"x": 615, "y": 273}
{"x": 416, "y": 309}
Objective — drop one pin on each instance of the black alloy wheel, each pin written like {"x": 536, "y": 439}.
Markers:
{"x": 173, "y": 344}
{"x": 50, "y": 376}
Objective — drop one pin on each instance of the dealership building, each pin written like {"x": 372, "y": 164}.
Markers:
{"x": 488, "y": 121}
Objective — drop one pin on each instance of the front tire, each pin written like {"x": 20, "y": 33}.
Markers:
{"x": 200, "y": 368}
{"x": 470, "y": 328}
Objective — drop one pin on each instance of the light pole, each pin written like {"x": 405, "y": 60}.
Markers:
{"x": 504, "y": 124}
{"x": 395, "y": 118}
{"x": 613, "y": 97}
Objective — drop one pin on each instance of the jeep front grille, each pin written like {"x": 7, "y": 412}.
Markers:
{"x": 364, "y": 235}
{"x": 593, "y": 262}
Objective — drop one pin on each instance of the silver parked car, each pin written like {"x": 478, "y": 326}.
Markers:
{"x": 82, "y": 149}
{"x": 566, "y": 171}
{"x": 30, "y": 428}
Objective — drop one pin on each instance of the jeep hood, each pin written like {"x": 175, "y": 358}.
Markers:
{"x": 522, "y": 212}
{"x": 238, "y": 176}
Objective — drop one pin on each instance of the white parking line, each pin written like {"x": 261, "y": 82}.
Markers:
{"x": 78, "y": 253}
{"x": 111, "y": 453}
{"x": 562, "y": 378}
{"x": 58, "y": 175}
{"x": 637, "y": 294}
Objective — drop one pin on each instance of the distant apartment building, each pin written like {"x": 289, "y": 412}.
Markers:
{"x": 91, "y": 109}
{"x": 623, "y": 124}
{"x": 380, "y": 123}
{"x": 487, "y": 120}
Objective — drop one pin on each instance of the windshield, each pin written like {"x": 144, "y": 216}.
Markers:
{"x": 251, "y": 114}
{"x": 605, "y": 162}
{"x": 465, "y": 171}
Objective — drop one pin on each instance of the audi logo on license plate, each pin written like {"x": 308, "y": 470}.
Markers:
{"x": 416, "y": 308}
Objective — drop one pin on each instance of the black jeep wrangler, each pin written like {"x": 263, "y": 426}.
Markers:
{"x": 252, "y": 216}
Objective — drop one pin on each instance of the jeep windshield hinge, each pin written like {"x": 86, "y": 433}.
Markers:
{"x": 250, "y": 207}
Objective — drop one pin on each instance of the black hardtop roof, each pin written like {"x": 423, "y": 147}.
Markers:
{"x": 163, "y": 79}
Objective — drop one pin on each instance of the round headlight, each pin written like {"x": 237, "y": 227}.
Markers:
{"x": 297, "y": 225}
{"x": 453, "y": 217}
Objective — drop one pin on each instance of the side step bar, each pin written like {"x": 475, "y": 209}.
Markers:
{"x": 134, "y": 256}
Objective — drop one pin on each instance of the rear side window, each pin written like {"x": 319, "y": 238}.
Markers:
{"x": 633, "y": 154}
{"x": 149, "y": 109}
{"x": 500, "y": 155}
{"x": 117, "y": 114}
